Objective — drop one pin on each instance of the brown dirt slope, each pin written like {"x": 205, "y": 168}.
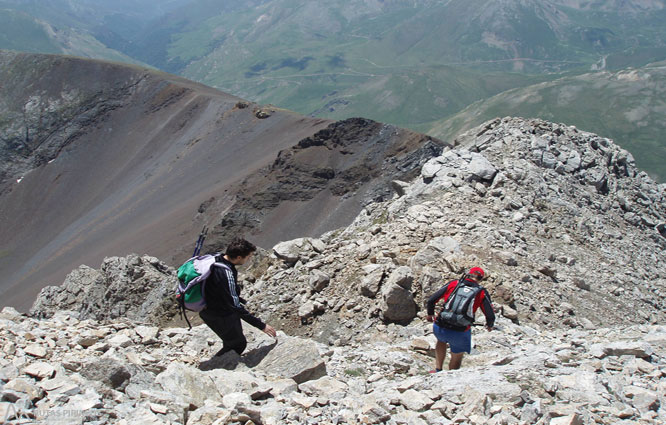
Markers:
{"x": 114, "y": 159}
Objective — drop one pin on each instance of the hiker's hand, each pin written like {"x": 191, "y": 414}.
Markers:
{"x": 489, "y": 328}
{"x": 430, "y": 318}
{"x": 268, "y": 330}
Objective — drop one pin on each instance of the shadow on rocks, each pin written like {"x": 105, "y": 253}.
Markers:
{"x": 231, "y": 359}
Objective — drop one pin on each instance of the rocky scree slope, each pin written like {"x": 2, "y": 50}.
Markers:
{"x": 122, "y": 372}
{"x": 571, "y": 233}
{"x": 572, "y": 238}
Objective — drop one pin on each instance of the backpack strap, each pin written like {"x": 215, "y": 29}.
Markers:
{"x": 218, "y": 264}
{"x": 182, "y": 311}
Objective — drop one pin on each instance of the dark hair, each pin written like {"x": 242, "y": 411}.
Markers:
{"x": 239, "y": 247}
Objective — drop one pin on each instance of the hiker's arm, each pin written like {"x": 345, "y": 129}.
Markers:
{"x": 487, "y": 308}
{"x": 251, "y": 319}
{"x": 259, "y": 324}
{"x": 248, "y": 317}
{"x": 235, "y": 300}
{"x": 270, "y": 331}
{"x": 430, "y": 305}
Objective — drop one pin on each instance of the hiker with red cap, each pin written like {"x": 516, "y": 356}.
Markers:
{"x": 453, "y": 325}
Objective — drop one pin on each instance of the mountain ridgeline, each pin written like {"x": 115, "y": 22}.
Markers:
{"x": 101, "y": 159}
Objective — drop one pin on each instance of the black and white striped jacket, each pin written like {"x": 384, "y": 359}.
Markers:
{"x": 223, "y": 294}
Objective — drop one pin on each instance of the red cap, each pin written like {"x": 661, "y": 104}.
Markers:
{"x": 478, "y": 271}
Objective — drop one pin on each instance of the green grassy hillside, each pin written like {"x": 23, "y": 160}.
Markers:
{"x": 23, "y": 32}
{"x": 88, "y": 28}
{"x": 526, "y": 36}
{"x": 627, "y": 106}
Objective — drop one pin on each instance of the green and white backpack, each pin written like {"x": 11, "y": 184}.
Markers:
{"x": 192, "y": 277}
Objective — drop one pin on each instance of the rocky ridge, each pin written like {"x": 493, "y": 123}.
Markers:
{"x": 572, "y": 238}
{"x": 572, "y": 235}
{"x": 133, "y": 287}
{"x": 353, "y": 161}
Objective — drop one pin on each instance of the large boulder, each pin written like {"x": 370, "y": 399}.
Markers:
{"x": 464, "y": 165}
{"x": 480, "y": 168}
{"x": 397, "y": 301}
{"x": 372, "y": 280}
{"x": 109, "y": 371}
{"x": 437, "y": 253}
{"x": 325, "y": 386}
{"x": 189, "y": 382}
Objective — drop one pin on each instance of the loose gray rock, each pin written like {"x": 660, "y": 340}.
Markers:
{"x": 372, "y": 281}
{"x": 293, "y": 358}
{"x": 108, "y": 371}
{"x": 397, "y": 304}
{"x": 319, "y": 281}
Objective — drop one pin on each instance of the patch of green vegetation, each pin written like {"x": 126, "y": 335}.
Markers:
{"x": 511, "y": 378}
{"x": 337, "y": 232}
{"x": 382, "y": 219}
{"x": 355, "y": 372}
{"x": 626, "y": 107}
{"x": 5, "y": 253}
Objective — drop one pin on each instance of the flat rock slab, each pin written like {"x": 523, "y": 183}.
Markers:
{"x": 294, "y": 358}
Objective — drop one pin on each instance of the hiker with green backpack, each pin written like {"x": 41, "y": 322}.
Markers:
{"x": 453, "y": 324}
{"x": 208, "y": 284}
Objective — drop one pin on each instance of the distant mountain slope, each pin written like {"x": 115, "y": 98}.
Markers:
{"x": 260, "y": 50}
{"x": 22, "y": 32}
{"x": 100, "y": 159}
{"x": 403, "y": 62}
{"x": 81, "y": 27}
{"x": 515, "y": 34}
{"x": 124, "y": 157}
{"x": 627, "y": 106}
{"x": 407, "y": 62}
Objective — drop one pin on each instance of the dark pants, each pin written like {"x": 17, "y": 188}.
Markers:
{"x": 228, "y": 328}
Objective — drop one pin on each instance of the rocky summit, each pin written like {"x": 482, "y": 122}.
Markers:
{"x": 571, "y": 236}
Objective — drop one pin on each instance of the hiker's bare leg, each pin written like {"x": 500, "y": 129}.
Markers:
{"x": 440, "y": 354}
{"x": 456, "y": 360}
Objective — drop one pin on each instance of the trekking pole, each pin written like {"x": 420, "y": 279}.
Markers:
{"x": 204, "y": 233}
{"x": 200, "y": 241}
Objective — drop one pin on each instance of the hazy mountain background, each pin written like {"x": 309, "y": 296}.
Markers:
{"x": 413, "y": 63}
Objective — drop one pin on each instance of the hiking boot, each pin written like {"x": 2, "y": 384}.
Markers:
{"x": 435, "y": 370}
